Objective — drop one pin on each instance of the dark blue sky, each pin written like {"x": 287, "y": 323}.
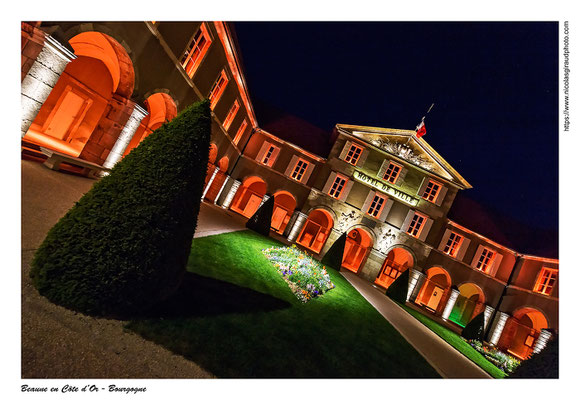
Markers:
{"x": 494, "y": 85}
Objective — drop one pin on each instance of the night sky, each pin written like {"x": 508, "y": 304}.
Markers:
{"x": 494, "y": 85}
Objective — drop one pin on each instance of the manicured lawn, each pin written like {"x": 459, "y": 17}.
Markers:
{"x": 456, "y": 341}
{"x": 236, "y": 317}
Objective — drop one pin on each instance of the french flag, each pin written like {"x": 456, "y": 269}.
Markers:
{"x": 421, "y": 130}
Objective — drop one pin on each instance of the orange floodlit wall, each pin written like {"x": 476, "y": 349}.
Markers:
{"x": 358, "y": 245}
{"x": 521, "y": 332}
{"x": 435, "y": 289}
{"x": 99, "y": 79}
{"x": 398, "y": 261}
{"x": 284, "y": 205}
{"x": 316, "y": 230}
{"x": 249, "y": 196}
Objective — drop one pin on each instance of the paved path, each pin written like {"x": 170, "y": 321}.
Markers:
{"x": 446, "y": 360}
{"x": 213, "y": 220}
{"x": 59, "y": 343}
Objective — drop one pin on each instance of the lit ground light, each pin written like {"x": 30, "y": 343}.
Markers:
{"x": 236, "y": 317}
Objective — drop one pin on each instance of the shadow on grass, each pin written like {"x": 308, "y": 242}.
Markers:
{"x": 200, "y": 296}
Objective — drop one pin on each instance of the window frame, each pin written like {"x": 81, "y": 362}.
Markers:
{"x": 340, "y": 187}
{"x": 427, "y": 196}
{"x": 231, "y": 114}
{"x": 452, "y": 246}
{"x": 412, "y": 224}
{"x": 268, "y": 154}
{"x": 540, "y": 287}
{"x": 483, "y": 257}
{"x": 295, "y": 170}
{"x": 376, "y": 212}
{"x": 240, "y": 132}
{"x": 352, "y": 157}
{"x": 185, "y": 57}
{"x": 384, "y": 177}
{"x": 217, "y": 89}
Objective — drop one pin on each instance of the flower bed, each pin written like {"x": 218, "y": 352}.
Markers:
{"x": 503, "y": 361}
{"x": 306, "y": 277}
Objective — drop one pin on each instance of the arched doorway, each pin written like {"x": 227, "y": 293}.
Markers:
{"x": 469, "y": 303}
{"x": 358, "y": 245}
{"x": 284, "y": 205}
{"x": 77, "y": 103}
{"x": 398, "y": 261}
{"x": 161, "y": 109}
{"x": 521, "y": 332}
{"x": 249, "y": 196}
{"x": 316, "y": 230}
{"x": 435, "y": 290}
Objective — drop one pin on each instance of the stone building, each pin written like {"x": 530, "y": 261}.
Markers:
{"x": 94, "y": 91}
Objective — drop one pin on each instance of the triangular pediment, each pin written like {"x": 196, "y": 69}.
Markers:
{"x": 406, "y": 146}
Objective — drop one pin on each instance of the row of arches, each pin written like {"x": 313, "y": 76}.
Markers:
{"x": 85, "y": 110}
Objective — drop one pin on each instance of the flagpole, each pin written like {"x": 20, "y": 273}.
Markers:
{"x": 422, "y": 120}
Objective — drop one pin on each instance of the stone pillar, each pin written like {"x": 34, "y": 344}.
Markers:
{"x": 221, "y": 189}
{"x": 542, "y": 340}
{"x": 300, "y": 219}
{"x": 487, "y": 315}
{"x": 125, "y": 136}
{"x": 215, "y": 171}
{"x": 41, "y": 79}
{"x": 498, "y": 329}
{"x": 264, "y": 199}
{"x": 450, "y": 303}
{"x": 415, "y": 283}
{"x": 231, "y": 194}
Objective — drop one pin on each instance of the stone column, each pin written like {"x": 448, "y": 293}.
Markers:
{"x": 450, "y": 303}
{"x": 487, "y": 315}
{"x": 415, "y": 283}
{"x": 125, "y": 136}
{"x": 498, "y": 329}
{"x": 231, "y": 194}
{"x": 300, "y": 219}
{"x": 215, "y": 171}
{"x": 41, "y": 79}
{"x": 264, "y": 199}
{"x": 542, "y": 340}
{"x": 221, "y": 189}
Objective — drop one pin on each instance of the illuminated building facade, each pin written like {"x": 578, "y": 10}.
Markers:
{"x": 94, "y": 91}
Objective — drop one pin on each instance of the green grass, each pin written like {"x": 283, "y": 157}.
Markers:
{"x": 236, "y": 317}
{"x": 458, "y": 342}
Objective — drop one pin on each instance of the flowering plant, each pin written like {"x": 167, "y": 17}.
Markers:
{"x": 306, "y": 277}
{"x": 503, "y": 361}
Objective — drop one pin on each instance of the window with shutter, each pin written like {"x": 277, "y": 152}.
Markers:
{"x": 231, "y": 114}
{"x": 392, "y": 172}
{"x": 353, "y": 154}
{"x": 453, "y": 244}
{"x": 377, "y": 205}
{"x": 337, "y": 186}
{"x": 485, "y": 260}
{"x": 416, "y": 225}
{"x": 218, "y": 89}
{"x": 431, "y": 191}
{"x": 299, "y": 169}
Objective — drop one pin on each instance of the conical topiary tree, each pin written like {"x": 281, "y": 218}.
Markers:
{"x": 124, "y": 245}
{"x": 333, "y": 257}
{"x": 261, "y": 221}
{"x": 399, "y": 288}
{"x": 541, "y": 365}
{"x": 474, "y": 329}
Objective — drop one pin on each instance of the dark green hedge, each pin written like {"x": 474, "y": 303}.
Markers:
{"x": 399, "y": 288}
{"x": 124, "y": 245}
{"x": 474, "y": 329}
{"x": 333, "y": 257}
{"x": 261, "y": 221}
